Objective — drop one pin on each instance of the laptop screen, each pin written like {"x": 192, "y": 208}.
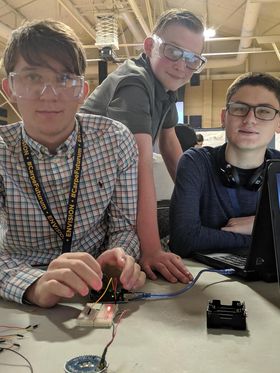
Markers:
{"x": 278, "y": 187}
{"x": 274, "y": 200}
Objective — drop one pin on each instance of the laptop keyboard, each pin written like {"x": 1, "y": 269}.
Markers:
{"x": 234, "y": 260}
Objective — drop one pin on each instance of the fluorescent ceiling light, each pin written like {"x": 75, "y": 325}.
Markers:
{"x": 209, "y": 33}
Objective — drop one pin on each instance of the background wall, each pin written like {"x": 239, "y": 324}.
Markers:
{"x": 207, "y": 100}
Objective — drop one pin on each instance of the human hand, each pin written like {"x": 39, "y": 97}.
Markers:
{"x": 242, "y": 225}
{"x": 116, "y": 263}
{"x": 169, "y": 265}
{"x": 67, "y": 275}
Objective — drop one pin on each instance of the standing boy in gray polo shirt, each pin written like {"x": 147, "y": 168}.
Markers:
{"x": 141, "y": 94}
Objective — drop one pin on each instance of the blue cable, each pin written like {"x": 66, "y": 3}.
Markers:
{"x": 141, "y": 295}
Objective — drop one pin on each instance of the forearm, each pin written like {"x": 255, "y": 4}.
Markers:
{"x": 153, "y": 258}
{"x": 147, "y": 227}
{"x": 170, "y": 149}
{"x": 184, "y": 241}
{"x": 190, "y": 232}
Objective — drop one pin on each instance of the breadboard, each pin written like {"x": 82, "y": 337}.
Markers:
{"x": 97, "y": 315}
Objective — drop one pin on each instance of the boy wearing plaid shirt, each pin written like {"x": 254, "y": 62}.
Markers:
{"x": 68, "y": 182}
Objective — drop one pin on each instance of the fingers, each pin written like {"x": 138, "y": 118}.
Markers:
{"x": 132, "y": 277}
{"x": 169, "y": 265}
{"x": 165, "y": 272}
{"x": 73, "y": 281}
{"x": 140, "y": 281}
{"x": 76, "y": 273}
{"x": 67, "y": 275}
{"x": 117, "y": 264}
{"x": 113, "y": 257}
{"x": 179, "y": 270}
{"x": 227, "y": 229}
{"x": 56, "y": 288}
{"x": 47, "y": 291}
{"x": 149, "y": 272}
{"x": 79, "y": 271}
{"x": 76, "y": 259}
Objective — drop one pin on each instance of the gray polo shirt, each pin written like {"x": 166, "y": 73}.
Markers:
{"x": 132, "y": 95}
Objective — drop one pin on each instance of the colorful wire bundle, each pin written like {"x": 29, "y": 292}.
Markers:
{"x": 7, "y": 340}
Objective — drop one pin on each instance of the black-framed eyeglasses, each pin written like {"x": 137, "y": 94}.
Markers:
{"x": 192, "y": 60}
{"x": 240, "y": 109}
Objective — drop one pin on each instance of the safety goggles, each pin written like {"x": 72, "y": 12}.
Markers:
{"x": 31, "y": 84}
{"x": 170, "y": 51}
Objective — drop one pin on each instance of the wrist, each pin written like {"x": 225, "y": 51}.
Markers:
{"x": 28, "y": 296}
{"x": 150, "y": 250}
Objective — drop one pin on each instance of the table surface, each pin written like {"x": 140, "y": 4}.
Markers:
{"x": 159, "y": 336}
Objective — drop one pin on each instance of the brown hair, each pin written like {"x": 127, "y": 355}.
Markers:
{"x": 179, "y": 16}
{"x": 40, "y": 38}
{"x": 255, "y": 79}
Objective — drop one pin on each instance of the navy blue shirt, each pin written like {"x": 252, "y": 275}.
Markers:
{"x": 201, "y": 205}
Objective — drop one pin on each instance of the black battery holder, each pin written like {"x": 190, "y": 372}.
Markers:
{"x": 226, "y": 316}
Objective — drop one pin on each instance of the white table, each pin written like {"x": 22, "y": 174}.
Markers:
{"x": 157, "y": 336}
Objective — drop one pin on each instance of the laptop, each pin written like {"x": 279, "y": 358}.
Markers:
{"x": 261, "y": 260}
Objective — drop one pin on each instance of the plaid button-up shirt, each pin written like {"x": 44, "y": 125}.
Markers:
{"x": 106, "y": 206}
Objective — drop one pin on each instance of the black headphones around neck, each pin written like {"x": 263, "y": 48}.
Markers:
{"x": 229, "y": 174}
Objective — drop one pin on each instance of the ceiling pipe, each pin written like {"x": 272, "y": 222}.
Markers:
{"x": 139, "y": 16}
{"x": 69, "y": 7}
{"x": 149, "y": 13}
{"x": 124, "y": 41}
{"x": 268, "y": 39}
{"x": 134, "y": 29}
{"x": 247, "y": 51}
{"x": 92, "y": 69}
{"x": 5, "y": 31}
{"x": 251, "y": 14}
{"x": 276, "y": 50}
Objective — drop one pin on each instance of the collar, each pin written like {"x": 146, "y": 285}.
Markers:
{"x": 41, "y": 152}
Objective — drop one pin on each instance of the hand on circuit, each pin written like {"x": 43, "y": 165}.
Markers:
{"x": 169, "y": 265}
{"x": 67, "y": 275}
{"x": 115, "y": 262}
{"x": 242, "y": 225}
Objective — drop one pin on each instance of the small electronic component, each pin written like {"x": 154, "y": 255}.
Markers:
{"x": 226, "y": 316}
{"x": 110, "y": 296}
{"x": 85, "y": 364}
{"x": 97, "y": 315}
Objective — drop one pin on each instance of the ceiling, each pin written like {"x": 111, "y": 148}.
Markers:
{"x": 247, "y": 32}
